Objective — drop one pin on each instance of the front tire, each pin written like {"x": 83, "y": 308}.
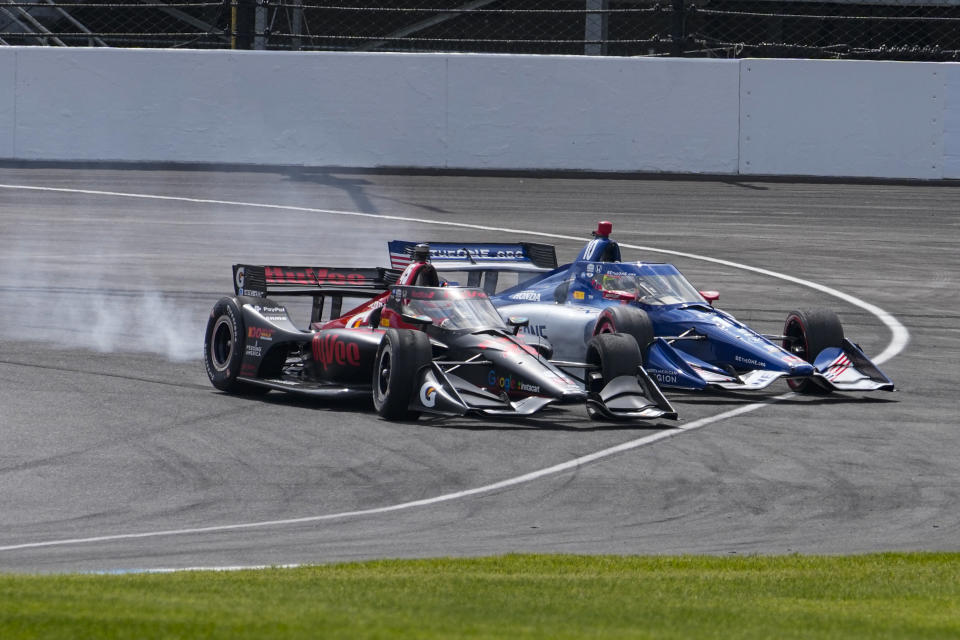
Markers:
{"x": 628, "y": 320}
{"x": 808, "y": 332}
{"x": 614, "y": 354}
{"x": 223, "y": 347}
{"x": 402, "y": 353}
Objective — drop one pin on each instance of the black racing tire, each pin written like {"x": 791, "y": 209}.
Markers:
{"x": 808, "y": 332}
{"x": 223, "y": 346}
{"x": 616, "y": 354}
{"x": 402, "y": 352}
{"x": 624, "y": 319}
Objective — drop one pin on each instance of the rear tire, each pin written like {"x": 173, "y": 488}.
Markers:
{"x": 223, "y": 346}
{"x": 808, "y": 332}
{"x": 629, "y": 320}
{"x": 401, "y": 354}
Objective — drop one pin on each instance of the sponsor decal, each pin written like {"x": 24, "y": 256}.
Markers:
{"x": 664, "y": 376}
{"x": 423, "y": 295}
{"x": 535, "y": 330}
{"x": 578, "y": 295}
{"x": 248, "y": 369}
{"x": 384, "y": 322}
{"x": 590, "y": 268}
{"x": 254, "y": 350}
{"x": 274, "y": 310}
{"x": 464, "y": 253}
{"x": 751, "y": 361}
{"x": 507, "y": 383}
{"x": 533, "y": 296}
{"x": 240, "y": 280}
{"x": 363, "y": 318}
{"x": 329, "y": 349}
{"x": 259, "y": 333}
{"x": 309, "y": 275}
{"x": 428, "y": 394}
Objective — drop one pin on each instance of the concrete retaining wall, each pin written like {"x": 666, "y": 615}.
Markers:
{"x": 463, "y": 111}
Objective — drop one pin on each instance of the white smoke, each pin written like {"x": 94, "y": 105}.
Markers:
{"x": 99, "y": 297}
{"x": 77, "y": 271}
{"x": 104, "y": 321}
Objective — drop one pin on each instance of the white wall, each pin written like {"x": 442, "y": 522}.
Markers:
{"x": 603, "y": 114}
{"x": 841, "y": 118}
{"x": 776, "y": 117}
{"x": 218, "y": 106}
{"x": 951, "y": 121}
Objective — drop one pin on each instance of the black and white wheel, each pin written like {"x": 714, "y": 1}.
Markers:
{"x": 628, "y": 320}
{"x": 223, "y": 346}
{"x": 401, "y": 354}
{"x": 807, "y": 332}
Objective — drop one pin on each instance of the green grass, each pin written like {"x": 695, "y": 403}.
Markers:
{"x": 517, "y": 596}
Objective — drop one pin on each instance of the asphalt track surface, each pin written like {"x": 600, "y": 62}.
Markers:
{"x": 116, "y": 454}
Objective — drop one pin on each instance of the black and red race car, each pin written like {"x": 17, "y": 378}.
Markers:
{"x": 414, "y": 344}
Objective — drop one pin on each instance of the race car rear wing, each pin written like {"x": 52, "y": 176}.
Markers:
{"x": 337, "y": 283}
{"x": 483, "y": 256}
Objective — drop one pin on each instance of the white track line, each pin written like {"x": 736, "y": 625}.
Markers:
{"x": 899, "y": 339}
{"x": 496, "y": 486}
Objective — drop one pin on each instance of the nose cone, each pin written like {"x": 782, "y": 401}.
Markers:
{"x": 542, "y": 379}
{"x": 573, "y": 397}
{"x": 801, "y": 369}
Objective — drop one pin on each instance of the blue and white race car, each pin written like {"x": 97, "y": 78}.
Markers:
{"x": 686, "y": 342}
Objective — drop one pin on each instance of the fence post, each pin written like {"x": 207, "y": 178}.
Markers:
{"x": 678, "y": 23}
{"x": 595, "y": 28}
{"x": 260, "y": 25}
{"x": 242, "y": 21}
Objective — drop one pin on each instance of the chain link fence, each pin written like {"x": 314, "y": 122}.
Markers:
{"x": 115, "y": 24}
{"x": 878, "y": 29}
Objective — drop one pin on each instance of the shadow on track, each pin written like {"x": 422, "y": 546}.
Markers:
{"x": 555, "y": 420}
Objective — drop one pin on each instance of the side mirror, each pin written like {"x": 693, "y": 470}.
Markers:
{"x": 517, "y": 322}
{"x": 710, "y": 296}
{"x": 416, "y": 320}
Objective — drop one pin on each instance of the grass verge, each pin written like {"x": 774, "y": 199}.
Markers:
{"x": 515, "y": 596}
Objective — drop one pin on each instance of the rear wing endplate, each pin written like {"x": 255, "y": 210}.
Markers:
{"x": 483, "y": 256}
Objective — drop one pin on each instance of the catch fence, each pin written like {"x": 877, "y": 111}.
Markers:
{"x": 887, "y": 30}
